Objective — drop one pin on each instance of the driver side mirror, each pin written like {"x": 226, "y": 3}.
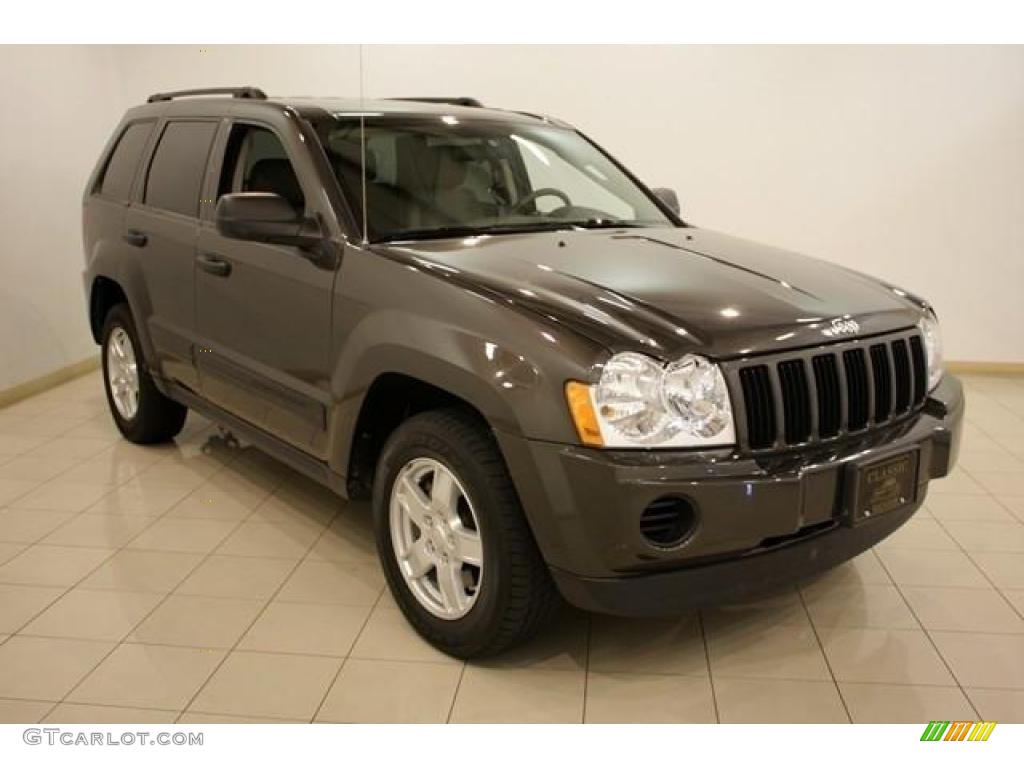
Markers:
{"x": 668, "y": 197}
{"x": 264, "y": 217}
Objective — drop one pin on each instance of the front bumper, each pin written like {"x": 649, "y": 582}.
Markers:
{"x": 761, "y": 522}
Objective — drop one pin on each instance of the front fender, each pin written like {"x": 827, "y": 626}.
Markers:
{"x": 509, "y": 364}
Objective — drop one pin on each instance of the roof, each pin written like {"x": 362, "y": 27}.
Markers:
{"x": 313, "y": 106}
{"x": 340, "y": 106}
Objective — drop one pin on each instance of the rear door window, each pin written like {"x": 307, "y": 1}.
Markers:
{"x": 120, "y": 170}
{"x": 175, "y": 178}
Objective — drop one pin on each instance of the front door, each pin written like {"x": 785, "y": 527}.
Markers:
{"x": 264, "y": 311}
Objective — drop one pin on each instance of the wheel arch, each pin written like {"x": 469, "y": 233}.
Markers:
{"x": 104, "y": 295}
{"x": 111, "y": 282}
{"x": 391, "y": 392}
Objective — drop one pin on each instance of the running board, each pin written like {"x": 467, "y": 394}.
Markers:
{"x": 287, "y": 454}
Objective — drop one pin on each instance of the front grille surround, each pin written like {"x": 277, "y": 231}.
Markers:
{"x": 810, "y": 396}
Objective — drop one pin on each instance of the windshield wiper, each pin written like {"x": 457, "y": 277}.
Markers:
{"x": 464, "y": 230}
{"x": 508, "y": 228}
{"x": 606, "y": 224}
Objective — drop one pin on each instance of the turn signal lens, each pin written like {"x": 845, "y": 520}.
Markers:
{"x": 577, "y": 394}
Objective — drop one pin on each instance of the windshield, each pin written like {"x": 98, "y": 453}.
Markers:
{"x": 442, "y": 176}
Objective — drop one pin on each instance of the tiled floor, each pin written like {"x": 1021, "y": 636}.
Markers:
{"x": 200, "y": 582}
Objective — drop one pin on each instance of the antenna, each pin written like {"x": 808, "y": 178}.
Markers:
{"x": 362, "y": 149}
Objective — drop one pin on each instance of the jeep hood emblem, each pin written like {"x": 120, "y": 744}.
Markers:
{"x": 842, "y": 326}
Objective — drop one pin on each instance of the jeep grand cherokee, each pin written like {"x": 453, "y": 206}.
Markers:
{"x": 547, "y": 382}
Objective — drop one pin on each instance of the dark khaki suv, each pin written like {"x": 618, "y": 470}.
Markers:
{"x": 548, "y": 383}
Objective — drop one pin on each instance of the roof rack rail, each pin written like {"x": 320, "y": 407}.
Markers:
{"x": 457, "y": 101}
{"x": 238, "y": 92}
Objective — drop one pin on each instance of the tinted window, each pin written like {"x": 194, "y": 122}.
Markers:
{"x": 441, "y": 177}
{"x": 117, "y": 178}
{"x": 176, "y": 174}
{"x": 256, "y": 161}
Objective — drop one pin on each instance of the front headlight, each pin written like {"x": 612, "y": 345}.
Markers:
{"x": 932, "y": 348}
{"x": 640, "y": 403}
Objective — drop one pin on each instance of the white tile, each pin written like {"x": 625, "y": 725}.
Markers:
{"x": 762, "y": 650}
{"x": 93, "y": 614}
{"x": 46, "y": 565}
{"x": 906, "y": 656}
{"x": 654, "y": 646}
{"x": 967, "y": 507}
{"x": 488, "y": 695}
{"x": 20, "y": 603}
{"x": 963, "y": 610}
{"x": 932, "y": 568}
{"x": 868, "y": 605}
{"x": 391, "y": 692}
{"x": 983, "y": 660}
{"x": 63, "y": 496}
{"x": 29, "y": 525}
{"x": 268, "y": 685}
{"x": 615, "y": 697}
{"x": 881, "y": 703}
{"x": 1000, "y": 705}
{"x": 983, "y": 536}
{"x": 148, "y": 676}
{"x": 778, "y": 701}
{"x": 918, "y": 533}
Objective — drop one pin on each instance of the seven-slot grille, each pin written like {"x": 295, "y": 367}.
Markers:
{"x": 804, "y": 396}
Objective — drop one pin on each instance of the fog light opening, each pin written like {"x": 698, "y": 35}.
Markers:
{"x": 668, "y": 522}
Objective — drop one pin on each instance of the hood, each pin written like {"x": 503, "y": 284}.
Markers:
{"x": 669, "y": 291}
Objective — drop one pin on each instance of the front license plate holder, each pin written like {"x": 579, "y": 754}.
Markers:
{"x": 882, "y": 486}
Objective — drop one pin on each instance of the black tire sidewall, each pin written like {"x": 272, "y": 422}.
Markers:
{"x": 412, "y": 441}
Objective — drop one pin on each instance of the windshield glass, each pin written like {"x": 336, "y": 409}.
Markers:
{"x": 444, "y": 176}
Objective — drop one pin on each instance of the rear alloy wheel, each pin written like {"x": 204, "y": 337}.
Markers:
{"x": 122, "y": 373}
{"x": 457, "y": 551}
{"x": 141, "y": 412}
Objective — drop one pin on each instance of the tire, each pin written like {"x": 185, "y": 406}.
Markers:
{"x": 514, "y": 595}
{"x": 155, "y": 418}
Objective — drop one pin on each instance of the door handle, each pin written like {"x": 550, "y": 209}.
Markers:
{"x": 136, "y": 238}
{"x": 213, "y": 264}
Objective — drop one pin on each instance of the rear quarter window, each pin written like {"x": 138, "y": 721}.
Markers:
{"x": 124, "y": 160}
{"x": 175, "y": 177}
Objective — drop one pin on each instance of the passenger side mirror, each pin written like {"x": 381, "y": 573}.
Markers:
{"x": 668, "y": 197}
{"x": 264, "y": 217}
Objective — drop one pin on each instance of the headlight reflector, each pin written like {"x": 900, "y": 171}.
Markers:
{"x": 695, "y": 391}
{"x": 932, "y": 348}
{"x": 628, "y": 397}
{"x": 640, "y": 403}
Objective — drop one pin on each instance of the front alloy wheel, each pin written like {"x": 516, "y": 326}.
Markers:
{"x": 457, "y": 552}
{"x": 436, "y": 538}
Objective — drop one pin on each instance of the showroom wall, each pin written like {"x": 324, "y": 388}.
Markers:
{"x": 60, "y": 104}
{"x": 905, "y": 162}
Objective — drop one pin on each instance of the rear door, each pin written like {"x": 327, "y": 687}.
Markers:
{"x": 110, "y": 193}
{"x": 264, "y": 311}
{"x": 163, "y": 227}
